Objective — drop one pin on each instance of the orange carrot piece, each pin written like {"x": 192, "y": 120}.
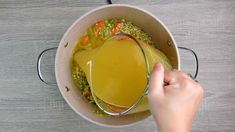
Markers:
{"x": 116, "y": 28}
{"x": 85, "y": 40}
{"x": 100, "y": 25}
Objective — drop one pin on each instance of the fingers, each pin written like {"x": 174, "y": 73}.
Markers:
{"x": 171, "y": 77}
{"x": 156, "y": 80}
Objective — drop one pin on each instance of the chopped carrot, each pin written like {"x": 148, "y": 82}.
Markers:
{"x": 100, "y": 25}
{"x": 114, "y": 108}
{"x": 118, "y": 25}
{"x": 85, "y": 40}
{"x": 113, "y": 31}
{"x": 116, "y": 28}
{"x": 87, "y": 94}
{"x": 123, "y": 38}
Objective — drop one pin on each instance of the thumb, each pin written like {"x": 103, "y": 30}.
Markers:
{"x": 156, "y": 80}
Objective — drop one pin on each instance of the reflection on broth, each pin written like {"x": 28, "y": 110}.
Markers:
{"x": 114, "y": 68}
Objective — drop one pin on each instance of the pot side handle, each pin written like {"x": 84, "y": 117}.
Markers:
{"x": 39, "y": 66}
{"x": 196, "y": 62}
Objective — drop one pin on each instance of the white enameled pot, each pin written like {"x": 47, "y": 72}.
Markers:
{"x": 161, "y": 36}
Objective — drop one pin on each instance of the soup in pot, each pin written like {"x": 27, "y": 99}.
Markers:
{"x": 114, "y": 67}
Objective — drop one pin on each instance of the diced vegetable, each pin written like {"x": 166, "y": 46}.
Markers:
{"x": 85, "y": 40}
{"x": 116, "y": 28}
{"x": 80, "y": 81}
{"x": 100, "y": 25}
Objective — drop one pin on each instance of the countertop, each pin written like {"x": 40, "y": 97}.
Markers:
{"x": 29, "y": 26}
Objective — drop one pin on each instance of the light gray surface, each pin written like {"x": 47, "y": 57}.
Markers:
{"x": 29, "y": 26}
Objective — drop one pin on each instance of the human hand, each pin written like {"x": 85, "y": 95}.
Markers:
{"x": 174, "y": 105}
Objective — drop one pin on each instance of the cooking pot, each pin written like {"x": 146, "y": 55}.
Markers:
{"x": 161, "y": 36}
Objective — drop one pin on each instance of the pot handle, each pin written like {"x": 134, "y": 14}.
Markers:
{"x": 196, "y": 62}
{"x": 39, "y": 66}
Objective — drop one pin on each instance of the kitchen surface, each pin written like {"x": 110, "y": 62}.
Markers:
{"x": 27, "y": 27}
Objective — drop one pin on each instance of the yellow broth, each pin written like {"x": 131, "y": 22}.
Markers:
{"x": 118, "y": 74}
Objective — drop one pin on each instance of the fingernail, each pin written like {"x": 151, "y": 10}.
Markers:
{"x": 158, "y": 66}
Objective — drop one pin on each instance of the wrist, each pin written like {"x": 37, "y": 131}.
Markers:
{"x": 173, "y": 129}
{"x": 175, "y": 126}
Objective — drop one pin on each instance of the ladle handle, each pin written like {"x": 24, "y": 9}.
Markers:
{"x": 196, "y": 62}
{"x": 39, "y": 66}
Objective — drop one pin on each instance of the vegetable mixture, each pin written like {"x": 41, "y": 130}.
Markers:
{"x": 95, "y": 36}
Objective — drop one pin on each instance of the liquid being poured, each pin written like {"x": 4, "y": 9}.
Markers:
{"x": 116, "y": 71}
